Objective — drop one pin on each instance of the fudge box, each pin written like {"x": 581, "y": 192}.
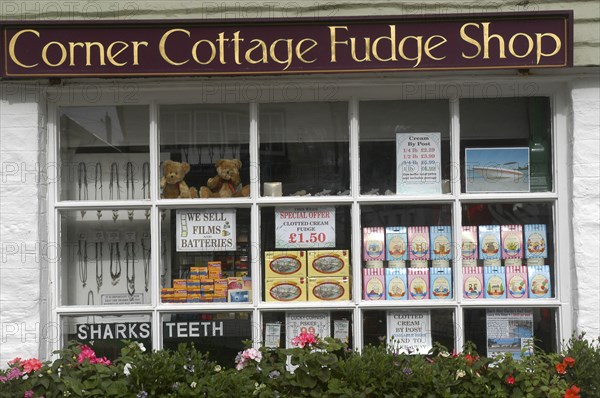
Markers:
{"x": 469, "y": 244}
{"x": 373, "y": 244}
{"x": 489, "y": 242}
{"x": 516, "y": 282}
{"x": 539, "y": 281}
{"x": 535, "y": 241}
{"x": 418, "y": 243}
{"x": 373, "y": 284}
{"x": 285, "y": 289}
{"x": 472, "y": 282}
{"x": 280, "y": 264}
{"x": 441, "y": 242}
{"x": 418, "y": 283}
{"x": 396, "y": 243}
{"x": 494, "y": 279}
{"x": 329, "y": 288}
{"x": 328, "y": 263}
{"x": 512, "y": 241}
{"x": 396, "y": 284}
{"x": 440, "y": 283}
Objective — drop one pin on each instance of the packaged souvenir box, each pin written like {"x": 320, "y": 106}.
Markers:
{"x": 495, "y": 282}
{"x": 441, "y": 283}
{"x": 441, "y": 242}
{"x": 418, "y": 243}
{"x": 328, "y": 263}
{"x": 489, "y": 242}
{"x": 516, "y": 282}
{"x": 373, "y": 284}
{"x": 329, "y": 288}
{"x": 539, "y": 281}
{"x": 396, "y": 284}
{"x": 472, "y": 282}
{"x": 418, "y": 283}
{"x": 279, "y": 264}
{"x": 396, "y": 243}
{"x": 535, "y": 241}
{"x": 469, "y": 246}
{"x": 512, "y": 241}
{"x": 373, "y": 244}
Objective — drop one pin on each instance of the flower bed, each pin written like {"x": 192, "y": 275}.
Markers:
{"x": 314, "y": 368}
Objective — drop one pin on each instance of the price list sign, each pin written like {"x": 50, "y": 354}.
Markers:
{"x": 418, "y": 163}
{"x": 304, "y": 228}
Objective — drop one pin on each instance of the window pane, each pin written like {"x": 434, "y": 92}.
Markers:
{"x": 514, "y": 243}
{"x": 414, "y": 328}
{"x": 381, "y": 123}
{"x": 104, "y": 152}
{"x": 510, "y": 329}
{"x": 304, "y": 147}
{"x": 279, "y": 328}
{"x": 105, "y": 333}
{"x": 306, "y": 254}
{"x": 205, "y": 256}
{"x": 220, "y": 334}
{"x": 105, "y": 257}
{"x": 399, "y": 237}
{"x": 506, "y": 144}
{"x": 201, "y": 135}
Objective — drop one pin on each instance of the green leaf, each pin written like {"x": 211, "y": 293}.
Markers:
{"x": 305, "y": 380}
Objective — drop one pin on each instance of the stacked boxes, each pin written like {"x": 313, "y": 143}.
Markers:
{"x": 314, "y": 275}
{"x": 206, "y": 284}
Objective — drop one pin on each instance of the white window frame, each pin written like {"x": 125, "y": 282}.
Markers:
{"x": 351, "y": 89}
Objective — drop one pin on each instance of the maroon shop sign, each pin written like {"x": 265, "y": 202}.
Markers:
{"x": 488, "y": 41}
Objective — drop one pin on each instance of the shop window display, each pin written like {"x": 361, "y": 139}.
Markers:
{"x": 104, "y": 153}
{"x": 106, "y": 257}
{"x": 421, "y": 263}
{"x": 221, "y": 334}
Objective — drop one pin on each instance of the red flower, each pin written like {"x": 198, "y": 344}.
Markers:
{"x": 510, "y": 380}
{"x": 572, "y": 392}
{"x": 31, "y": 365}
{"x": 569, "y": 361}
{"x": 561, "y": 368}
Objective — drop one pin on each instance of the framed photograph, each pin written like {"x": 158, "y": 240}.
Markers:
{"x": 497, "y": 170}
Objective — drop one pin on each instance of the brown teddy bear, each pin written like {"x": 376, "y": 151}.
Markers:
{"x": 227, "y": 183}
{"x": 172, "y": 184}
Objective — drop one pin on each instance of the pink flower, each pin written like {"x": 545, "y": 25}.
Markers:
{"x": 15, "y": 361}
{"x": 31, "y": 365}
{"x": 28, "y": 394}
{"x": 304, "y": 339}
{"x": 90, "y": 355}
{"x": 510, "y": 380}
{"x": 252, "y": 353}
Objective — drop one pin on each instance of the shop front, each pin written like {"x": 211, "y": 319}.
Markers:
{"x": 403, "y": 179}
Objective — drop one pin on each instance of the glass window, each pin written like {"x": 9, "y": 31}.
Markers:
{"x": 105, "y": 257}
{"x": 104, "y": 152}
{"x": 417, "y": 237}
{"x": 221, "y": 334}
{"x": 206, "y": 256}
{"x": 410, "y": 137}
{"x": 497, "y": 330}
{"x": 306, "y": 254}
{"x": 506, "y": 145}
{"x": 409, "y": 330}
{"x": 201, "y": 136}
{"x": 279, "y": 328}
{"x": 106, "y": 333}
{"x": 304, "y": 149}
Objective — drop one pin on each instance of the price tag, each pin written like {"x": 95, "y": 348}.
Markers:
{"x": 99, "y": 237}
{"x": 113, "y": 236}
{"x": 298, "y": 227}
{"x": 418, "y": 163}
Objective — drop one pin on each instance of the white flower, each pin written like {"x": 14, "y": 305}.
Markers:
{"x": 444, "y": 354}
{"x": 127, "y": 369}
{"x": 218, "y": 368}
{"x": 193, "y": 384}
{"x": 141, "y": 346}
{"x": 460, "y": 373}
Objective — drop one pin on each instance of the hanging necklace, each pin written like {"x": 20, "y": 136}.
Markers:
{"x": 130, "y": 260}
{"x": 129, "y": 186}
{"x": 163, "y": 261}
{"x": 146, "y": 253}
{"x": 82, "y": 184}
{"x": 115, "y": 258}
{"x": 114, "y": 180}
{"x": 146, "y": 185}
{"x": 98, "y": 184}
{"x": 99, "y": 273}
{"x": 82, "y": 255}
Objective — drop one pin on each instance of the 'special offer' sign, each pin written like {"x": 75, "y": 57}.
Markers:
{"x": 252, "y": 47}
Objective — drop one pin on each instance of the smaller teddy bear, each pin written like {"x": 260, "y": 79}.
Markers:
{"x": 227, "y": 183}
{"x": 172, "y": 184}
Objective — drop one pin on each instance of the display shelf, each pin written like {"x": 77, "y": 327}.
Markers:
{"x": 406, "y": 199}
{"x": 382, "y": 304}
{"x": 269, "y": 201}
{"x": 211, "y": 307}
{"x": 104, "y": 204}
{"x": 104, "y": 309}
{"x": 505, "y": 197}
{"x": 306, "y": 305}
{"x": 511, "y": 303}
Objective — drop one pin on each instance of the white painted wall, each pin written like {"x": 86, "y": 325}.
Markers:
{"x": 23, "y": 222}
{"x": 585, "y": 123}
